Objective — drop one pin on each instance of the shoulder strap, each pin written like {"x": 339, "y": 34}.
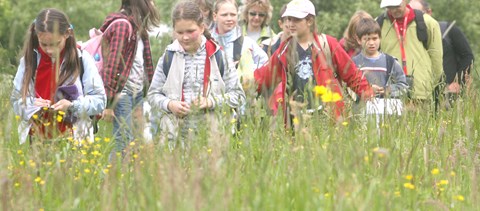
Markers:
{"x": 421, "y": 28}
{"x": 390, "y": 62}
{"x": 167, "y": 61}
{"x": 380, "y": 19}
{"x": 237, "y": 48}
{"x": 130, "y": 30}
{"x": 322, "y": 38}
{"x": 221, "y": 65}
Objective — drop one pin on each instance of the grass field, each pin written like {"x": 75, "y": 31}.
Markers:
{"x": 412, "y": 162}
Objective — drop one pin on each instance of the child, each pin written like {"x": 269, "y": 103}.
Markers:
{"x": 57, "y": 86}
{"x": 387, "y": 80}
{"x": 271, "y": 45}
{"x": 128, "y": 68}
{"x": 381, "y": 70}
{"x": 195, "y": 84}
{"x": 311, "y": 61}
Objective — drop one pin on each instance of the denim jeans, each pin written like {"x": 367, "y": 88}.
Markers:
{"x": 129, "y": 121}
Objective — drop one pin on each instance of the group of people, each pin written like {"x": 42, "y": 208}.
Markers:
{"x": 214, "y": 57}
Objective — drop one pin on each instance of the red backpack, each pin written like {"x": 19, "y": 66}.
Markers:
{"x": 94, "y": 44}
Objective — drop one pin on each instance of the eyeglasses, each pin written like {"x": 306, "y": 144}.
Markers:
{"x": 260, "y": 14}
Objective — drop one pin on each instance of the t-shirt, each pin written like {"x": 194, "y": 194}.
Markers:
{"x": 303, "y": 82}
{"x": 135, "y": 80}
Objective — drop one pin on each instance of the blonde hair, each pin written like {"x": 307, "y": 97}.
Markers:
{"x": 264, "y": 5}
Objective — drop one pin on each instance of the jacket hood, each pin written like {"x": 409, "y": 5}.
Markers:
{"x": 228, "y": 37}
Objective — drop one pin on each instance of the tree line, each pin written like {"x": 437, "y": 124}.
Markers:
{"x": 332, "y": 18}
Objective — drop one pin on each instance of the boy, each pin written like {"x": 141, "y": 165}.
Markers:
{"x": 382, "y": 71}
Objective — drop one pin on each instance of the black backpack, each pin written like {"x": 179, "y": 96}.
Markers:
{"x": 421, "y": 26}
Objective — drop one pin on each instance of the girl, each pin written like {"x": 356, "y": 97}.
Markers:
{"x": 313, "y": 60}
{"x": 255, "y": 17}
{"x": 128, "y": 68}
{"x": 57, "y": 87}
{"x": 243, "y": 51}
{"x": 195, "y": 83}
{"x": 206, "y": 6}
{"x": 349, "y": 40}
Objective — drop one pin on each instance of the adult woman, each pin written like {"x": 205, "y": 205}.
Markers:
{"x": 255, "y": 18}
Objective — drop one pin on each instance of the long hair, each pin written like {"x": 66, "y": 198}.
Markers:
{"x": 56, "y": 22}
{"x": 351, "y": 31}
{"x": 208, "y": 5}
{"x": 144, "y": 13}
{"x": 264, "y": 5}
{"x": 189, "y": 10}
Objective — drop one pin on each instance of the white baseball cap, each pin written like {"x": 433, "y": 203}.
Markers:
{"x": 299, "y": 9}
{"x": 390, "y": 3}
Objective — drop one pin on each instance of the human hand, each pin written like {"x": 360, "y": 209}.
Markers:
{"x": 203, "y": 102}
{"x": 454, "y": 87}
{"x": 40, "y": 102}
{"x": 62, "y": 105}
{"x": 108, "y": 115}
{"x": 179, "y": 108}
{"x": 378, "y": 89}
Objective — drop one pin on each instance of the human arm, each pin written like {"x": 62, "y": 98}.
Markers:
{"x": 234, "y": 95}
{"x": 397, "y": 83}
{"x": 462, "y": 51}
{"x": 24, "y": 110}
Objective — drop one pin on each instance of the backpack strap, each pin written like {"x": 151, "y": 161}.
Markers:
{"x": 322, "y": 38}
{"x": 237, "y": 49}
{"x": 421, "y": 28}
{"x": 130, "y": 30}
{"x": 167, "y": 62}
{"x": 390, "y": 62}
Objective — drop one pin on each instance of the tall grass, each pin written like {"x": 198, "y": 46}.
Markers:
{"x": 416, "y": 161}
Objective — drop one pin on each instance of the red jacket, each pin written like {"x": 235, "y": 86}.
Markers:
{"x": 116, "y": 71}
{"x": 274, "y": 74}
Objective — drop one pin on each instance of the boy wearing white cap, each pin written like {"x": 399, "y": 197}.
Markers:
{"x": 307, "y": 60}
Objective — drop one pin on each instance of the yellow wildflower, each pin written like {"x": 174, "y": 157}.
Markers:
{"x": 19, "y": 152}
{"x": 17, "y": 117}
{"x": 38, "y": 179}
{"x": 97, "y": 139}
{"x": 409, "y": 186}
{"x": 42, "y": 182}
{"x": 344, "y": 123}
{"x": 459, "y": 198}
{"x": 319, "y": 90}
{"x": 61, "y": 113}
{"x": 35, "y": 116}
{"x": 209, "y": 151}
{"x": 452, "y": 173}
{"x": 106, "y": 140}
{"x": 435, "y": 171}
{"x": 17, "y": 184}
{"x": 59, "y": 118}
{"x": 296, "y": 121}
{"x": 443, "y": 182}
{"x": 409, "y": 177}
{"x": 397, "y": 193}
{"x": 87, "y": 171}
{"x": 132, "y": 143}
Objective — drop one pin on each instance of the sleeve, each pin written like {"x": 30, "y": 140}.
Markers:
{"x": 234, "y": 95}
{"x": 113, "y": 68}
{"x": 347, "y": 70}
{"x": 94, "y": 100}
{"x": 259, "y": 56}
{"x": 269, "y": 74}
{"x": 23, "y": 109}
{"x": 462, "y": 49}
{"x": 398, "y": 82}
{"x": 435, "y": 47}
{"x": 155, "y": 96}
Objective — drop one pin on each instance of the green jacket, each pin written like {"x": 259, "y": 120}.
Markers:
{"x": 266, "y": 33}
{"x": 426, "y": 65}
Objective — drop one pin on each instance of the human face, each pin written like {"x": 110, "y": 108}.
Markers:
{"x": 226, "y": 17}
{"x": 398, "y": 11}
{"x": 189, "y": 34}
{"x": 256, "y": 17}
{"x": 51, "y": 43}
{"x": 370, "y": 43}
{"x": 298, "y": 27}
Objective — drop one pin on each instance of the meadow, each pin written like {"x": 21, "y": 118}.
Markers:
{"x": 417, "y": 161}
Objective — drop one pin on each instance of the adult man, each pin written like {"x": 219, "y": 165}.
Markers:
{"x": 420, "y": 59}
{"x": 457, "y": 54}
